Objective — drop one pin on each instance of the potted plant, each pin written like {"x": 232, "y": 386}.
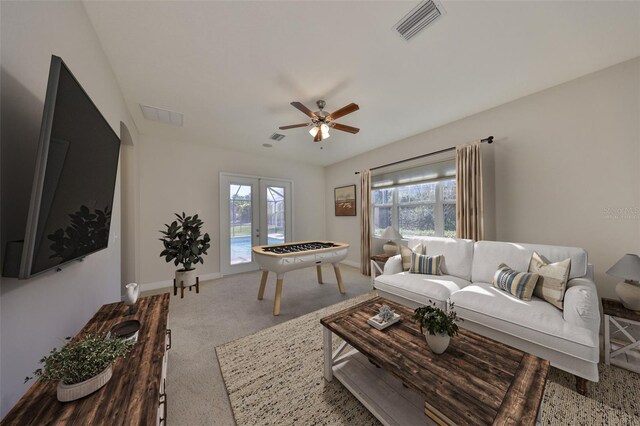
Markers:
{"x": 82, "y": 367}
{"x": 437, "y": 325}
{"x": 184, "y": 245}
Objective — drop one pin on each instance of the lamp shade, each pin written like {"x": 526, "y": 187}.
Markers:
{"x": 321, "y": 128}
{"x": 628, "y": 267}
{"x": 391, "y": 234}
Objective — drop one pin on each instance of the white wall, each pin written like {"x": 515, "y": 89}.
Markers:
{"x": 564, "y": 158}
{"x": 37, "y": 314}
{"x": 177, "y": 176}
{"x": 130, "y": 199}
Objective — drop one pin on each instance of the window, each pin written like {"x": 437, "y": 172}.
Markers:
{"x": 427, "y": 208}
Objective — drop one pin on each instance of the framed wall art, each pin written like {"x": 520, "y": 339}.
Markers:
{"x": 345, "y": 199}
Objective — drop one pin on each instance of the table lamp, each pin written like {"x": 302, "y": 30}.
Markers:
{"x": 628, "y": 268}
{"x": 391, "y": 235}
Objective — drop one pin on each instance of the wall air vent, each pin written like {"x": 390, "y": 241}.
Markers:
{"x": 276, "y": 137}
{"x": 162, "y": 115}
{"x": 419, "y": 18}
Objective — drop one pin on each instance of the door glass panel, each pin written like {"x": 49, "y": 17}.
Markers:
{"x": 276, "y": 214}
{"x": 240, "y": 223}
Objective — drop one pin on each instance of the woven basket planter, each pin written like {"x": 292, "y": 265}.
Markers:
{"x": 82, "y": 389}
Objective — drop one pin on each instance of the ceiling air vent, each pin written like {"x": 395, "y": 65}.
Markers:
{"x": 276, "y": 137}
{"x": 162, "y": 115}
{"x": 419, "y": 18}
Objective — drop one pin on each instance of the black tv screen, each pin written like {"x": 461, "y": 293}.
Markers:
{"x": 75, "y": 178}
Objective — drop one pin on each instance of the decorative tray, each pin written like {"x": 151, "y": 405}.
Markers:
{"x": 375, "y": 321}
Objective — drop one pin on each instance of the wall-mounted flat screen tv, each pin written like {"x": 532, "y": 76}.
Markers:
{"x": 75, "y": 177}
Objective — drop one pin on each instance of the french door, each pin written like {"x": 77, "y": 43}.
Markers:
{"x": 253, "y": 211}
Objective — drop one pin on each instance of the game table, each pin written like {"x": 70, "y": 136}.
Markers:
{"x": 281, "y": 258}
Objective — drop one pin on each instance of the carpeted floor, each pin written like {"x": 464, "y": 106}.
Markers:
{"x": 225, "y": 310}
{"x": 274, "y": 377}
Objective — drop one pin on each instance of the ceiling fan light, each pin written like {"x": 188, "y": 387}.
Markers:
{"x": 325, "y": 131}
{"x": 314, "y": 131}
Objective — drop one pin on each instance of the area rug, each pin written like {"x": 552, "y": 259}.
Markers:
{"x": 274, "y": 377}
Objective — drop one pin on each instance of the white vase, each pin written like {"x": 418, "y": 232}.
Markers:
{"x": 79, "y": 390}
{"x": 131, "y": 293}
{"x": 438, "y": 343}
{"x": 187, "y": 278}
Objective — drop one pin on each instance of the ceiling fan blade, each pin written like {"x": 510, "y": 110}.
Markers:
{"x": 293, "y": 126}
{"x": 318, "y": 137}
{"x": 344, "y": 128}
{"x": 304, "y": 109}
{"x": 343, "y": 111}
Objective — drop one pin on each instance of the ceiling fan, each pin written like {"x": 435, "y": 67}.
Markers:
{"x": 322, "y": 120}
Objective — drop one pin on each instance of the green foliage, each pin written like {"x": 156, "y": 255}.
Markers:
{"x": 81, "y": 360}
{"x": 183, "y": 242}
{"x": 437, "y": 321}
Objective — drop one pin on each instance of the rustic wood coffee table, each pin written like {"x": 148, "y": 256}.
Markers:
{"x": 395, "y": 375}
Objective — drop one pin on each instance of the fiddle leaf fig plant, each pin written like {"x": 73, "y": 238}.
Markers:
{"x": 436, "y": 321}
{"x": 183, "y": 242}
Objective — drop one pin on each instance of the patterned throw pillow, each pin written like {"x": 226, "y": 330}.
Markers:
{"x": 423, "y": 264}
{"x": 406, "y": 252}
{"x": 553, "y": 279}
{"x": 520, "y": 284}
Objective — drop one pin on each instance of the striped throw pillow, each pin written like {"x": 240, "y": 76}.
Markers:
{"x": 519, "y": 284}
{"x": 553, "y": 279}
{"x": 422, "y": 264}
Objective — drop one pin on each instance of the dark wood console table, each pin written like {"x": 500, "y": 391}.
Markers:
{"x": 136, "y": 392}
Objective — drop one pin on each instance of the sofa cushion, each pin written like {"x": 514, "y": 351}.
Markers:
{"x": 488, "y": 255}
{"x": 553, "y": 278}
{"x": 536, "y": 320}
{"x": 458, "y": 254}
{"x": 423, "y": 264}
{"x": 519, "y": 284}
{"x": 420, "y": 288}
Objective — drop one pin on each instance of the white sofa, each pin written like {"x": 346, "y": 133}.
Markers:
{"x": 567, "y": 338}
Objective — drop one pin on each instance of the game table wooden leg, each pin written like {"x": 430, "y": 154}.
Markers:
{"x": 336, "y": 268}
{"x": 319, "y": 271}
{"x": 263, "y": 284}
{"x": 276, "y": 303}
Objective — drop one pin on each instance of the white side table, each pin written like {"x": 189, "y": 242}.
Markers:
{"x": 376, "y": 261}
{"x": 624, "y": 350}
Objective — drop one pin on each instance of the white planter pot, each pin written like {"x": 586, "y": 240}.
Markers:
{"x": 187, "y": 278}
{"x": 438, "y": 343}
{"x": 82, "y": 389}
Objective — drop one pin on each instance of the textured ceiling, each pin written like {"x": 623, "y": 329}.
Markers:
{"x": 233, "y": 68}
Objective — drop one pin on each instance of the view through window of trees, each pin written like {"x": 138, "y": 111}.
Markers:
{"x": 240, "y": 210}
{"x": 416, "y": 210}
{"x": 275, "y": 212}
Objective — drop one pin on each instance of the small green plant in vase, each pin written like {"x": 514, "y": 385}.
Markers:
{"x": 82, "y": 367}
{"x": 437, "y": 325}
{"x": 184, "y": 245}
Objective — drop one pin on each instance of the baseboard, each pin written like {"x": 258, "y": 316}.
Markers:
{"x": 351, "y": 263}
{"x": 169, "y": 283}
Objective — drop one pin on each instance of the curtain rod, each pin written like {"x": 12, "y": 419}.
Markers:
{"x": 488, "y": 140}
